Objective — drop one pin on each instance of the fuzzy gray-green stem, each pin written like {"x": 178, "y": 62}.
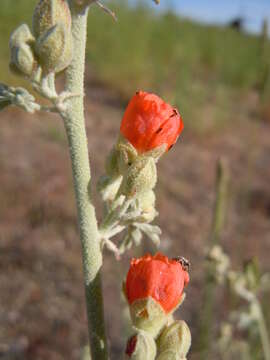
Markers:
{"x": 222, "y": 180}
{"x": 76, "y": 133}
{"x": 206, "y": 319}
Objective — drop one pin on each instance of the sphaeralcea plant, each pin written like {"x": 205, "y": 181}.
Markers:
{"x": 149, "y": 128}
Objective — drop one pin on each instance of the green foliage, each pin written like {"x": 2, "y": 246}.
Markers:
{"x": 160, "y": 51}
{"x": 202, "y": 69}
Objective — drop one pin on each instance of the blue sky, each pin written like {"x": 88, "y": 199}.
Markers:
{"x": 221, "y": 11}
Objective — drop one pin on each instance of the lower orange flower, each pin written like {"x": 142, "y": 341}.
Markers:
{"x": 158, "y": 277}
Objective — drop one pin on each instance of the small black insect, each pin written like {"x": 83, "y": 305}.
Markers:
{"x": 184, "y": 262}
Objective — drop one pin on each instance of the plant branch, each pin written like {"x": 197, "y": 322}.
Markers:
{"x": 206, "y": 319}
{"x": 222, "y": 179}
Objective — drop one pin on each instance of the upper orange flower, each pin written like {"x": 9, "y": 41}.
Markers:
{"x": 149, "y": 122}
{"x": 157, "y": 277}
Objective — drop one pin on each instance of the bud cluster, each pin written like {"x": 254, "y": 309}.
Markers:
{"x": 49, "y": 48}
{"x": 17, "y": 96}
{"x": 149, "y": 128}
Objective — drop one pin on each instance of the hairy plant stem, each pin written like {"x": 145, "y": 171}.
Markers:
{"x": 76, "y": 133}
{"x": 219, "y": 213}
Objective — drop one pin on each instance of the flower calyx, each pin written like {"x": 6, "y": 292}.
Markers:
{"x": 141, "y": 346}
{"x": 141, "y": 177}
{"x": 174, "y": 342}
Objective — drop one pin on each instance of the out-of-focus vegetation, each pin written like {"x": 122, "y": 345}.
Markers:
{"x": 190, "y": 64}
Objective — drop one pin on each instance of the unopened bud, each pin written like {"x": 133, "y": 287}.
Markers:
{"x": 52, "y": 29}
{"x": 141, "y": 346}
{"x": 54, "y": 49}
{"x": 174, "y": 340}
{"x": 140, "y": 177}
{"x": 22, "y": 61}
{"x": 48, "y": 13}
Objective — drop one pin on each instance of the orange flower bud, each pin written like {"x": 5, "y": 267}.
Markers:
{"x": 157, "y": 277}
{"x": 149, "y": 122}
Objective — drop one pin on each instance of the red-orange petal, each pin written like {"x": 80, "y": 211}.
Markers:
{"x": 149, "y": 122}
{"x": 157, "y": 277}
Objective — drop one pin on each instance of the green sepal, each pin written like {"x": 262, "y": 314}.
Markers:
{"x": 140, "y": 177}
{"x": 126, "y": 154}
{"x": 148, "y": 315}
{"x": 54, "y": 49}
{"x": 175, "y": 340}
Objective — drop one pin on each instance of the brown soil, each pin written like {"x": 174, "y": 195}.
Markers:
{"x": 42, "y": 310}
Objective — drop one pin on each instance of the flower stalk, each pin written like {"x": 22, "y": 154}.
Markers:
{"x": 219, "y": 213}
{"x": 76, "y": 133}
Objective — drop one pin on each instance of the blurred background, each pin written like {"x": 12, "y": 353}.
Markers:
{"x": 212, "y": 60}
